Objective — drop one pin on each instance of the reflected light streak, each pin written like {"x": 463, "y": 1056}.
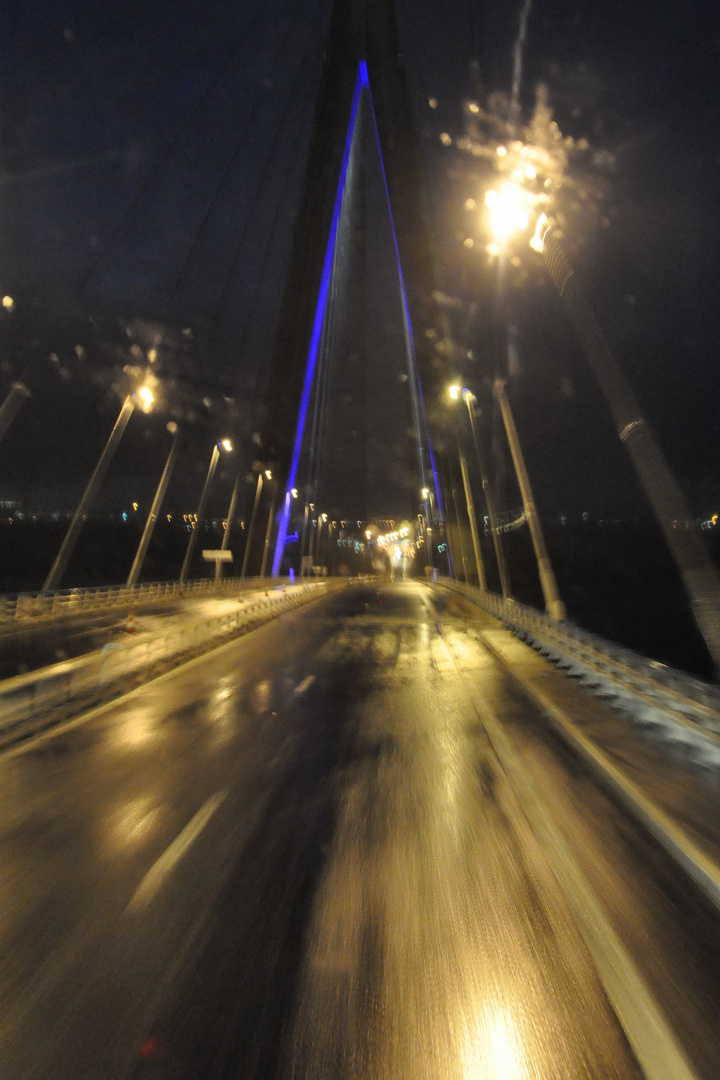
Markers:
{"x": 494, "y": 1050}
{"x": 136, "y": 730}
{"x": 132, "y": 824}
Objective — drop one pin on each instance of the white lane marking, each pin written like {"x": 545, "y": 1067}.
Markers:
{"x": 304, "y": 685}
{"x": 151, "y": 883}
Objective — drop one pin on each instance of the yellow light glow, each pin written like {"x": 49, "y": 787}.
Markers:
{"x": 425, "y": 493}
{"x": 508, "y": 211}
{"x": 473, "y": 108}
{"x": 8, "y": 303}
{"x": 226, "y": 445}
{"x": 146, "y": 395}
{"x": 470, "y": 204}
{"x": 455, "y": 392}
{"x": 530, "y": 172}
{"x": 537, "y": 243}
{"x": 294, "y": 493}
{"x": 502, "y": 151}
{"x": 135, "y": 507}
{"x": 268, "y": 474}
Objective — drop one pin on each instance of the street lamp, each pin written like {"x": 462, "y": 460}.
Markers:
{"x": 268, "y": 531}
{"x": 470, "y": 400}
{"x": 143, "y": 396}
{"x": 699, "y": 576}
{"x": 548, "y": 582}
{"x": 427, "y": 496}
{"x": 509, "y": 214}
{"x": 12, "y": 405}
{"x": 455, "y": 393}
{"x": 225, "y": 445}
{"x": 136, "y": 568}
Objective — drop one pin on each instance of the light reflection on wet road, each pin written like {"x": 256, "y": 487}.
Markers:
{"x": 342, "y": 883}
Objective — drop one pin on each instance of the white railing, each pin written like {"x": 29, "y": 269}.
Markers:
{"x": 655, "y": 693}
{"x": 100, "y": 675}
{"x": 38, "y": 605}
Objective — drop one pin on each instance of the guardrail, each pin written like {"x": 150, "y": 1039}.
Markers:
{"x": 102, "y": 674}
{"x": 654, "y": 693}
{"x": 38, "y": 605}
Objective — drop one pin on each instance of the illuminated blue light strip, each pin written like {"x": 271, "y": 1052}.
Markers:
{"x": 320, "y": 312}
{"x": 406, "y": 314}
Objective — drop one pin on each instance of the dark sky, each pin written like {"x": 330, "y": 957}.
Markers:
{"x": 151, "y": 156}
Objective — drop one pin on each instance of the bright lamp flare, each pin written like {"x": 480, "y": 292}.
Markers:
{"x": 455, "y": 391}
{"x": 226, "y": 445}
{"x": 146, "y": 395}
{"x": 508, "y": 211}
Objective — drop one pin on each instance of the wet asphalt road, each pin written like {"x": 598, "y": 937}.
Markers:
{"x": 298, "y": 857}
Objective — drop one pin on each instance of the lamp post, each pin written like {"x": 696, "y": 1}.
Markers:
{"x": 12, "y": 405}
{"x": 268, "y": 531}
{"x": 429, "y": 517}
{"x": 480, "y": 569}
{"x": 228, "y": 527}
{"x": 225, "y": 445}
{"x": 470, "y": 399}
{"x": 136, "y": 568}
{"x": 463, "y": 556}
{"x": 306, "y": 517}
{"x": 548, "y": 583}
{"x": 698, "y": 574}
{"x": 267, "y": 474}
{"x": 145, "y": 397}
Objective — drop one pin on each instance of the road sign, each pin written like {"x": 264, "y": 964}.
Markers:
{"x": 217, "y": 556}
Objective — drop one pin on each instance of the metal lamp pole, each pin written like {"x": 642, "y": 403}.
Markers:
{"x": 253, "y": 517}
{"x": 228, "y": 526}
{"x": 214, "y": 458}
{"x": 74, "y": 529}
{"x": 136, "y": 568}
{"x": 470, "y": 399}
{"x": 268, "y": 532}
{"x": 553, "y": 603}
{"x": 12, "y": 405}
{"x": 699, "y": 576}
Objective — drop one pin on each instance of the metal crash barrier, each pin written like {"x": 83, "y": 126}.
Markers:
{"x": 104, "y": 673}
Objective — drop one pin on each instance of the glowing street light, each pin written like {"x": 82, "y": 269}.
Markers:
{"x": 508, "y": 211}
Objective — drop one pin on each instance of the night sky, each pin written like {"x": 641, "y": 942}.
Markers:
{"x": 151, "y": 159}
